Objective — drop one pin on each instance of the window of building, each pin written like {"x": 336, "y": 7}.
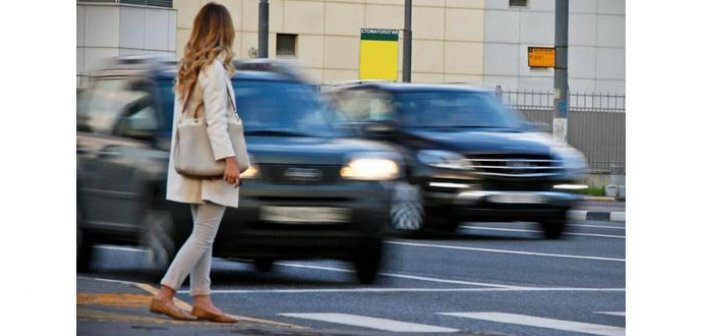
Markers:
{"x": 286, "y": 45}
{"x": 517, "y": 3}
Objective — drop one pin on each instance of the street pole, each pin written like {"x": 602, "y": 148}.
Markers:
{"x": 263, "y": 29}
{"x": 561, "y": 93}
{"x": 407, "y": 44}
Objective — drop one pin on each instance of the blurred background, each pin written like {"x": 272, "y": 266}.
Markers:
{"x": 478, "y": 42}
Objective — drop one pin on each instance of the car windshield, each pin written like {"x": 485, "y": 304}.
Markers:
{"x": 455, "y": 109}
{"x": 282, "y": 108}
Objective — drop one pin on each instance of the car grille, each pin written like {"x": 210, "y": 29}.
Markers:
{"x": 300, "y": 174}
{"x": 515, "y": 165}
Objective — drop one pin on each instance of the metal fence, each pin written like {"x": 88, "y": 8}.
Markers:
{"x": 596, "y": 123}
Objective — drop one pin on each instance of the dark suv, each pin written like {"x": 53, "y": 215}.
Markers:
{"x": 469, "y": 158}
{"x": 311, "y": 192}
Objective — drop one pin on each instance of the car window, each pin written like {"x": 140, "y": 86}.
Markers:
{"x": 138, "y": 118}
{"x": 365, "y": 105}
{"x": 106, "y": 101}
{"x": 282, "y": 106}
{"x": 454, "y": 109}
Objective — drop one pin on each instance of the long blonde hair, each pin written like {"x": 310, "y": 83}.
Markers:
{"x": 213, "y": 34}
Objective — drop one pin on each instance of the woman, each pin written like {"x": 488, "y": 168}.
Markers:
{"x": 202, "y": 85}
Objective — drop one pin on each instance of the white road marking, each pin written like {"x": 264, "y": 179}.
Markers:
{"x": 409, "y": 290}
{"x": 618, "y": 227}
{"x": 478, "y": 249}
{"x": 371, "y": 322}
{"x": 537, "y": 231}
{"x": 534, "y": 321}
{"x": 613, "y": 313}
{"x": 403, "y": 276}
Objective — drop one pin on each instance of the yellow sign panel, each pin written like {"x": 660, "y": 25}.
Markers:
{"x": 379, "y": 53}
{"x": 542, "y": 57}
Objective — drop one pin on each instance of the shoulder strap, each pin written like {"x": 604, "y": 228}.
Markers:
{"x": 229, "y": 97}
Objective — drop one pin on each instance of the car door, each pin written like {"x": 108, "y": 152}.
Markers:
{"x": 114, "y": 132}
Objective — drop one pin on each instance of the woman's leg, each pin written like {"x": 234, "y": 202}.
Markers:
{"x": 207, "y": 218}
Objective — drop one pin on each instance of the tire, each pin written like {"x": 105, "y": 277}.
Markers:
{"x": 368, "y": 263}
{"x": 554, "y": 228}
{"x": 158, "y": 237}
{"x": 264, "y": 265}
{"x": 407, "y": 215}
{"x": 84, "y": 246}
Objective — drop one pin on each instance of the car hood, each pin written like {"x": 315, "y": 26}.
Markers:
{"x": 311, "y": 150}
{"x": 477, "y": 142}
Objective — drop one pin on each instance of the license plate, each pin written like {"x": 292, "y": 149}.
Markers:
{"x": 314, "y": 215}
{"x": 517, "y": 198}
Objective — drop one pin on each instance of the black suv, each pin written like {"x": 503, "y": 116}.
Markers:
{"x": 311, "y": 192}
{"x": 469, "y": 158}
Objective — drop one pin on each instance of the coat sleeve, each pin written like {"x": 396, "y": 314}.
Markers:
{"x": 213, "y": 79}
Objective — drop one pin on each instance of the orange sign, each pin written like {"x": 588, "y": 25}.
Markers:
{"x": 542, "y": 57}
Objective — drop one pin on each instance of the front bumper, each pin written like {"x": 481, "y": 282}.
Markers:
{"x": 500, "y": 205}
{"x": 246, "y": 233}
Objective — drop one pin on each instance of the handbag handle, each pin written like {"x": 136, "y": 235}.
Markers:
{"x": 229, "y": 98}
{"x": 187, "y": 99}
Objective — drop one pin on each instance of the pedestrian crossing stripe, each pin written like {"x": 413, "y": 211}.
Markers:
{"x": 524, "y": 320}
{"x": 613, "y": 313}
{"x": 534, "y": 321}
{"x": 371, "y": 322}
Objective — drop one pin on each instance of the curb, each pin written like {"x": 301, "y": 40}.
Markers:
{"x": 600, "y": 198}
{"x": 615, "y": 216}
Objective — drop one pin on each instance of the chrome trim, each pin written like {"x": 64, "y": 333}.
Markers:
{"x": 519, "y": 175}
{"x": 507, "y": 167}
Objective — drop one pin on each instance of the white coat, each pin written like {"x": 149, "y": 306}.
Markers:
{"x": 210, "y": 96}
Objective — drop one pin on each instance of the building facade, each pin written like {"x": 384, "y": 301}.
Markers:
{"x": 483, "y": 42}
{"x": 110, "y": 28}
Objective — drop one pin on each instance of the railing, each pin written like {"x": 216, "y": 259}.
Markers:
{"x": 543, "y": 100}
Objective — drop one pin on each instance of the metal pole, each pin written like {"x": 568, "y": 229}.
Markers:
{"x": 263, "y": 29}
{"x": 560, "y": 80}
{"x": 407, "y": 44}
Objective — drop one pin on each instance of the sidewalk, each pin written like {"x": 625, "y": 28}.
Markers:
{"x": 111, "y": 307}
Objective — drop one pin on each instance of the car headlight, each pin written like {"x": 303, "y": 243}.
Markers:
{"x": 444, "y": 159}
{"x": 250, "y": 173}
{"x": 370, "y": 169}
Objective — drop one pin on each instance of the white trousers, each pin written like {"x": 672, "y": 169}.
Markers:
{"x": 195, "y": 256}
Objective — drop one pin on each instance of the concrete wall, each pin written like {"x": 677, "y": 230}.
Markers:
{"x": 596, "y": 55}
{"x": 109, "y": 30}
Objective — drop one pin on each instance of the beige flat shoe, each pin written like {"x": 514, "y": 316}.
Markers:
{"x": 169, "y": 309}
{"x": 203, "y": 314}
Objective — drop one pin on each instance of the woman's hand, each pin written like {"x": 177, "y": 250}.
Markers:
{"x": 231, "y": 171}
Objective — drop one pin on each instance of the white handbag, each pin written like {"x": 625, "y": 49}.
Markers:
{"x": 193, "y": 154}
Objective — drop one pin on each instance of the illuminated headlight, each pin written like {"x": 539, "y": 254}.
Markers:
{"x": 374, "y": 169}
{"x": 570, "y": 187}
{"x": 250, "y": 173}
{"x": 444, "y": 159}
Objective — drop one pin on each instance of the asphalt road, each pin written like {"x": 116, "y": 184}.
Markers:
{"x": 486, "y": 279}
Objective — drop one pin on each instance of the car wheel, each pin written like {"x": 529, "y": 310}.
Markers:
{"x": 407, "y": 209}
{"x": 553, "y": 228}
{"x": 158, "y": 238}
{"x": 264, "y": 265}
{"x": 368, "y": 263}
{"x": 84, "y": 243}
